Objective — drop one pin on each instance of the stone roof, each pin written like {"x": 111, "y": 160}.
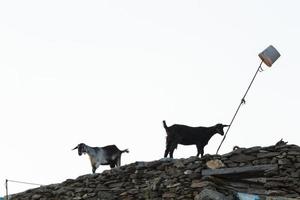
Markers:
{"x": 268, "y": 172}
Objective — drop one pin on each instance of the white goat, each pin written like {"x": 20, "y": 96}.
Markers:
{"x": 108, "y": 155}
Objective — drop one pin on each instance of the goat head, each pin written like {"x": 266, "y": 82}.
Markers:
{"x": 81, "y": 148}
{"x": 219, "y": 128}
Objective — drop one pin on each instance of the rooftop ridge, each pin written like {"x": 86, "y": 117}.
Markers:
{"x": 278, "y": 175}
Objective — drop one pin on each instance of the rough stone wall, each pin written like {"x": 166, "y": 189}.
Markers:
{"x": 182, "y": 179}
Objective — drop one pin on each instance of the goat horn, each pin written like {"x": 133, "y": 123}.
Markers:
{"x": 75, "y": 147}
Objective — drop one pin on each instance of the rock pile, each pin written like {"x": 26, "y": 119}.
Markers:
{"x": 187, "y": 178}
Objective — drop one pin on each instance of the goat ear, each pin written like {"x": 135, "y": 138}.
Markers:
{"x": 226, "y": 126}
{"x": 75, "y": 147}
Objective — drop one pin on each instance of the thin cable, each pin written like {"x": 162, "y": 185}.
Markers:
{"x": 243, "y": 101}
{"x": 27, "y": 183}
{"x": 22, "y": 182}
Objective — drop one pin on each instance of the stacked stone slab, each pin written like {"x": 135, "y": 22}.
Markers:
{"x": 182, "y": 179}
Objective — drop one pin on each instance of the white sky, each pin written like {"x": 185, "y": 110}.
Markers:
{"x": 108, "y": 72}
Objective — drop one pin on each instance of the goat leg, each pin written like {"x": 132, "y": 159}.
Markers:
{"x": 200, "y": 150}
{"x": 94, "y": 169}
{"x": 172, "y": 148}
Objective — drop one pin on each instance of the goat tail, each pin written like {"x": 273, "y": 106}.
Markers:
{"x": 166, "y": 127}
{"x": 165, "y": 124}
{"x": 126, "y": 151}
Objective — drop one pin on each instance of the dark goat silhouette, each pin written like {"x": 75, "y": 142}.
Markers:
{"x": 186, "y": 135}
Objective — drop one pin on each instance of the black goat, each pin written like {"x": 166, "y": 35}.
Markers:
{"x": 186, "y": 135}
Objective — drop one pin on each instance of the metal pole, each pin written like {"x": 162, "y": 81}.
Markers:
{"x": 242, "y": 102}
{"x": 6, "y": 187}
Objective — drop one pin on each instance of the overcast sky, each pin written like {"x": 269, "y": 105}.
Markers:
{"x": 108, "y": 72}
